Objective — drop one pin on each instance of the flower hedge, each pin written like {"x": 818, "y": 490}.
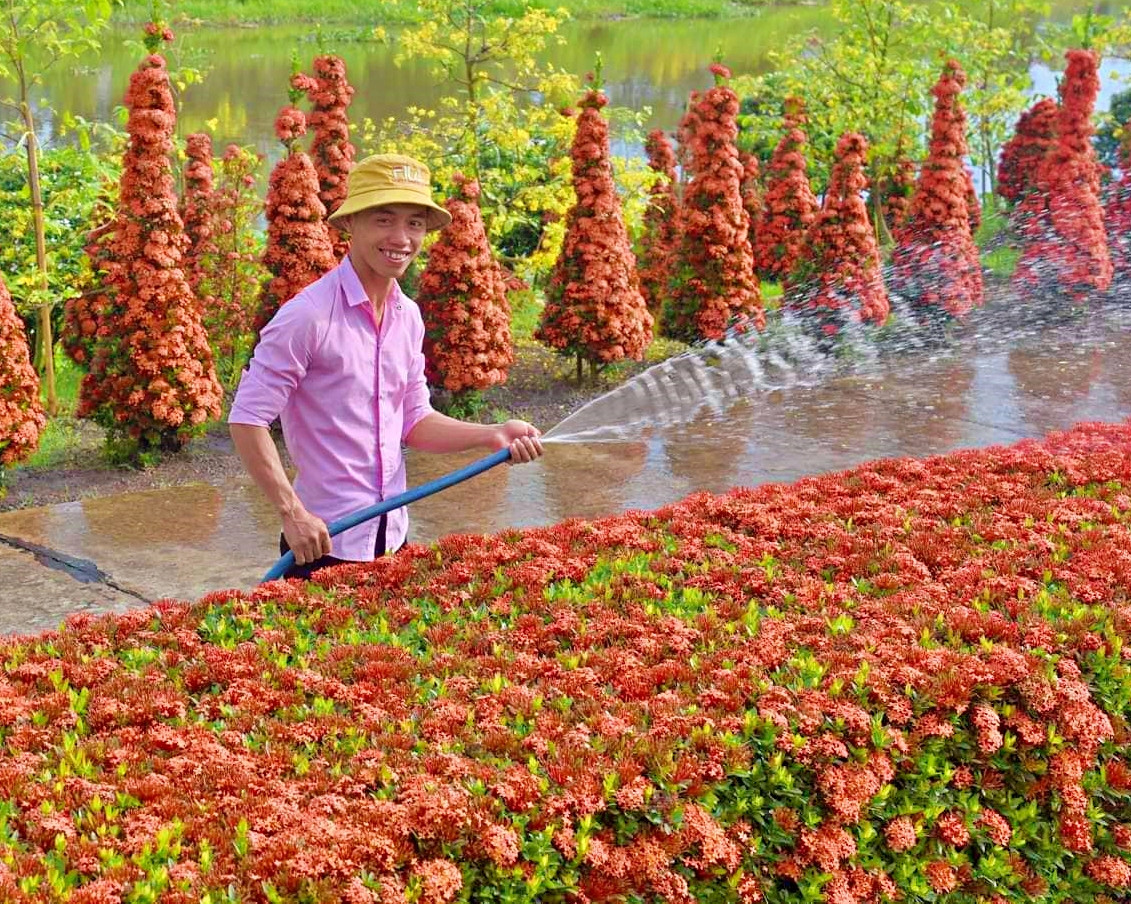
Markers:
{"x": 906, "y": 680}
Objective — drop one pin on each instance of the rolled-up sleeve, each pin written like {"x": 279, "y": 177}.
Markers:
{"x": 281, "y": 359}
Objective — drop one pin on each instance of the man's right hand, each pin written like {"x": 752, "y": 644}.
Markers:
{"x": 306, "y": 535}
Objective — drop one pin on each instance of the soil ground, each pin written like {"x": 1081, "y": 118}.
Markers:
{"x": 540, "y": 389}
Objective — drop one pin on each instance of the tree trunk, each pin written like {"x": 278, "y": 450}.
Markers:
{"x": 45, "y": 344}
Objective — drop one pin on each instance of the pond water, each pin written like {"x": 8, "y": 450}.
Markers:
{"x": 648, "y": 65}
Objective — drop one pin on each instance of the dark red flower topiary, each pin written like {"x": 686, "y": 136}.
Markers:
{"x": 594, "y": 310}
{"x": 1117, "y": 214}
{"x": 1061, "y": 223}
{"x": 197, "y": 211}
{"x": 462, "y": 297}
{"x": 151, "y": 377}
{"x": 935, "y": 264}
{"x": 330, "y": 94}
{"x": 298, "y": 249}
{"x": 715, "y": 280}
{"x": 840, "y": 276}
{"x": 1033, "y": 137}
{"x": 660, "y": 238}
{"x": 22, "y": 417}
{"x": 789, "y": 205}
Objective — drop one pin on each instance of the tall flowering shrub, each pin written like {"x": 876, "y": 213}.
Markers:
{"x": 22, "y": 417}
{"x": 462, "y": 297}
{"x": 151, "y": 376}
{"x": 1021, "y": 156}
{"x": 1117, "y": 215}
{"x": 789, "y": 206}
{"x": 660, "y": 238}
{"x": 82, "y": 312}
{"x": 935, "y": 264}
{"x": 715, "y": 280}
{"x": 299, "y": 249}
{"x": 594, "y": 310}
{"x": 330, "y": 95}
{"x": 840, "y": 280}
{"x": 895, "y": 187}
{"x": 750, "y": 188}
{"x": 197, "y": 211}
{"x": 1061, "y": 223}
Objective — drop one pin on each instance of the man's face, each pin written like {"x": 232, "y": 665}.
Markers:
{"x": 384, "y": 240}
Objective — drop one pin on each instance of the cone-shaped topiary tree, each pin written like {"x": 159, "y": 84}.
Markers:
{"x": 1021, "y": 156}
{"x": 895, "y": 187}
{"x": 1117, "y": 215}
{"x": 330, "y": 94}
{"x": 299, "y": 249}
{"x": 935, "y": 264}
{"x": 660, "y": 238}
{"x": 151, "y": 377}
{"x": 751, "y": 190}
{"x": 840, "y": 280}
{"x": 594, "y": 310}
{"x": 1061, "y": 223}
{"x": 81, "y": 313}
{"x": 463, "y": 300}
{"x": 789, "y": 205}
{"x": 22, "y": 417}
{"x": 197, "y": 212}
{"x": 715, "y": 280}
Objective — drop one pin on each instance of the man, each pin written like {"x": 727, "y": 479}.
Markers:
{"x": 342, "y": 365}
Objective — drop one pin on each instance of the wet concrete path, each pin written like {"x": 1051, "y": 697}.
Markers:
{"x": 996, "y": 386}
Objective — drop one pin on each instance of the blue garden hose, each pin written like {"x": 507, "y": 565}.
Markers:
{"x": 387, "y": 505}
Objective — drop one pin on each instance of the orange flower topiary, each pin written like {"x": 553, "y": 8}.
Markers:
{"x": 197, "y": 211}
{"x": 22, "y": 418}
{"x": 463, "y": 300}
{"x": 151, "y": 376}
{"x": 330, "y": 94}
{"x": 299, "y": 249}
{"x": 594, "y": 310}
{"x": 935, "y": 264}
{"x": 1117, "y": 215}
{"x": 841, "y": 280}
{"x": 1021, "y": 156}
{"x": 789, "y": 205}
{"x": 715, "y": 280}
{"x": 660, "y": 237}
{"x": 1061, "y": 223}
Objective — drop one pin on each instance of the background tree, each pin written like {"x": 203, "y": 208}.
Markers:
{"x": 789, "y": 205}
{"x": 1061, "y": 223}
{"x": 151, "y": 378}
{"x": 935, "y": 264}
{"x": 660, "y": 238}
{"x": 22, "y": 418}
{"x": 330, "y": 94}
{"x": 34, "y": 35}
{"x": 839, "y": 275}
{"x": 715, "y": 280}
{"x": 462, "y": 296}
{"x": 298, "y": 249}
{"x": 1021, "y": 155}
{"x": 594, "y": 310}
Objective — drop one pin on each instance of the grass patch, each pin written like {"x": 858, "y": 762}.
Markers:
{"x": 65, "y": 436}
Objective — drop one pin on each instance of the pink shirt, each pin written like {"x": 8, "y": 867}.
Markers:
{"x": 347, "y": 395}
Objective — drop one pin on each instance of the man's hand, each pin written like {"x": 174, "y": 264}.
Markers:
{"x": 522, "y": 439}
{"x": 306, "y": 535}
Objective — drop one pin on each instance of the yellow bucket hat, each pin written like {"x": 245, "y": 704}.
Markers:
{"x": 391, "y": 179}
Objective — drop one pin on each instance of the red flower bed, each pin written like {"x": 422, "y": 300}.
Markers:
{"x": 463, "y": 299}
{"x": 903, "y": 679}
{"x": 935, "y": 264}
{"x": 1061, "y": 222}
{"x": 715, "y": 282}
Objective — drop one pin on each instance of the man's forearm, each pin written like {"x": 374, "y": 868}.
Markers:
{"x": 437, "y": 432}
{"x": 261, "y": 459}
